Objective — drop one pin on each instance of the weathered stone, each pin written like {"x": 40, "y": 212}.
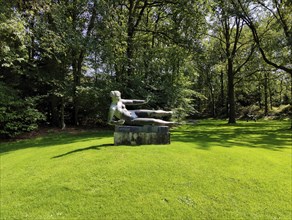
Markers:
{"x": 141, "y": 135}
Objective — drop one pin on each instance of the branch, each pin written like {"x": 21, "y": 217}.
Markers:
{"x": 266, "y": 7}
{"x": 253, "y": 29}
{"x": 279, "y": 17}
{"x": 214, "y": 36}
{"x": 247, "y": 59}
{"x": 237, "y": 35}
{"x": 91, "y": 21}
{"x": 162, "y": 34}
{"x": 161, "y": 3}
{"x": 140, "y": 14}
{"x": 250, "y": 74}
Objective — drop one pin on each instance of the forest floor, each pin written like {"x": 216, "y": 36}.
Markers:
{"x": 211, "y": 170}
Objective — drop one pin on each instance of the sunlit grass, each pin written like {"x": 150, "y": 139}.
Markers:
{"x": 211, "y": 170}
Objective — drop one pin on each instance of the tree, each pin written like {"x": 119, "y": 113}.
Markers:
{"x": 236, "y": 48}
{"x": 146, "y": 47}
{"x": 279, "y": 15}
{"x": 280, "y": 19}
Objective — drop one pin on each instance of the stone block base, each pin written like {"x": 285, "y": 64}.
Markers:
{"x": 140, "y": 135}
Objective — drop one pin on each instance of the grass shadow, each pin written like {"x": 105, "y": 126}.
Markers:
{"x": 96, "y": 147}
{"x": 53, "y": 139}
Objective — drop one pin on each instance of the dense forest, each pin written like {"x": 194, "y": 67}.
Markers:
{"x": 59, "y": 59}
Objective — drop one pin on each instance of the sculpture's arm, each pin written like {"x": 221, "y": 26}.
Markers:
{"x": 134, "y": 101}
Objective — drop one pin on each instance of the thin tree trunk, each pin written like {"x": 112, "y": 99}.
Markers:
{"x": 130, "y": 41}
{"x": 55, "y": 110}
{"x": 222, "y": 88}
{"x": 231, "y": 96}
{"x": 62, "y": 114}
{"x": 213, "y": 104}
{"x": 135, "y": 15}
{"x": 76, "y": 83}
{"x": 281, "y": 91}
{"x": 77, "y": 61}
{"x": 266, "y": 94}
{"x": 259, "y": 95}
{"x": 270, "y": 91}
{"x": 230, "y": 54}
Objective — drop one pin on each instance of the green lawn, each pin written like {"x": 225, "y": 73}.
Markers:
{"x": 210, "y": 170}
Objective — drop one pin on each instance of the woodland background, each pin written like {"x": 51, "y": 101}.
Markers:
{"x": 59, "y": 59}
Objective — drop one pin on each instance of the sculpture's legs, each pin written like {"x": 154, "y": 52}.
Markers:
{"x": 151, "y": 121}
{"x": 144, "y": 113}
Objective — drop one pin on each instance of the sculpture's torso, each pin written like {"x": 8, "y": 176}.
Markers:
{"x": 121, "y": 112}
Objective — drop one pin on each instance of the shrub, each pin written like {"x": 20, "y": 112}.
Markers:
{"x": 17, "y": 115}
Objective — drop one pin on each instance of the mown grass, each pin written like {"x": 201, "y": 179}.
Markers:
{"x": 210, "y": 170}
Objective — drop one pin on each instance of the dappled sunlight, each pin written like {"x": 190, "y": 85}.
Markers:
{"x": 264, "y": 134}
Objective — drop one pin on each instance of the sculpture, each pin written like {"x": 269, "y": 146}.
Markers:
{"x": 134, "y": 117}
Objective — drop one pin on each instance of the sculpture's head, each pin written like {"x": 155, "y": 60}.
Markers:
{"x": 115, "y": 94}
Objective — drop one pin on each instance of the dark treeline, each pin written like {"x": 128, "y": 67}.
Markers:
{"x": 59, "y": 59}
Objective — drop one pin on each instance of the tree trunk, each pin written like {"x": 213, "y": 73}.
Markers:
{"x": 281, "y": 91}
{"x": 78, "y": 58}
{"x": 266, "y": 94}
{"x": 62, "y": 114}
{"x": 213, "y": 103}
{"x": 55, "y": 111}
{"x": 76, "y": 83}
{"x": 199, "y": 103}
{"x": 130, "y": 40}
{"x": 270, "y": 91}
{"x": 271, "y": 99}
{"x": 136, "y": 12}
{"x": 259, "y": 95}
{"x": 130, "y": 49}
{"x": 222, "y": 89}
{"x": 230, "y": 54}
{"x": 231, "y": 96}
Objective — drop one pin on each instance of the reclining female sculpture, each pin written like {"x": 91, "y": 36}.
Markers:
{"x": 134, "y": 117}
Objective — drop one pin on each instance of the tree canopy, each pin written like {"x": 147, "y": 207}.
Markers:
{"x": 59, "y": 59}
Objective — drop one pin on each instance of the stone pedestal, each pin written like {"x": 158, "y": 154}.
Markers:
{"x": 140, "y": 135}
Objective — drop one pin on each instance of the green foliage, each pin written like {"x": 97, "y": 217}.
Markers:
{"x": 72, "y": 53}
{"x": 160, "y": 64}
{"x": 92, "y": 111}
{"x": 17, "y": 115}
{"x": 13, "y": 38}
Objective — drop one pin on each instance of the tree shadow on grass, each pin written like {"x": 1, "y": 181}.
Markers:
{"x": 254, "y": 135}
{"x": 96, "y": 147}
{"x": 53, "y": 139}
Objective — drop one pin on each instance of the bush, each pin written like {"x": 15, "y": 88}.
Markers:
{"x": 17, "y": 115}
